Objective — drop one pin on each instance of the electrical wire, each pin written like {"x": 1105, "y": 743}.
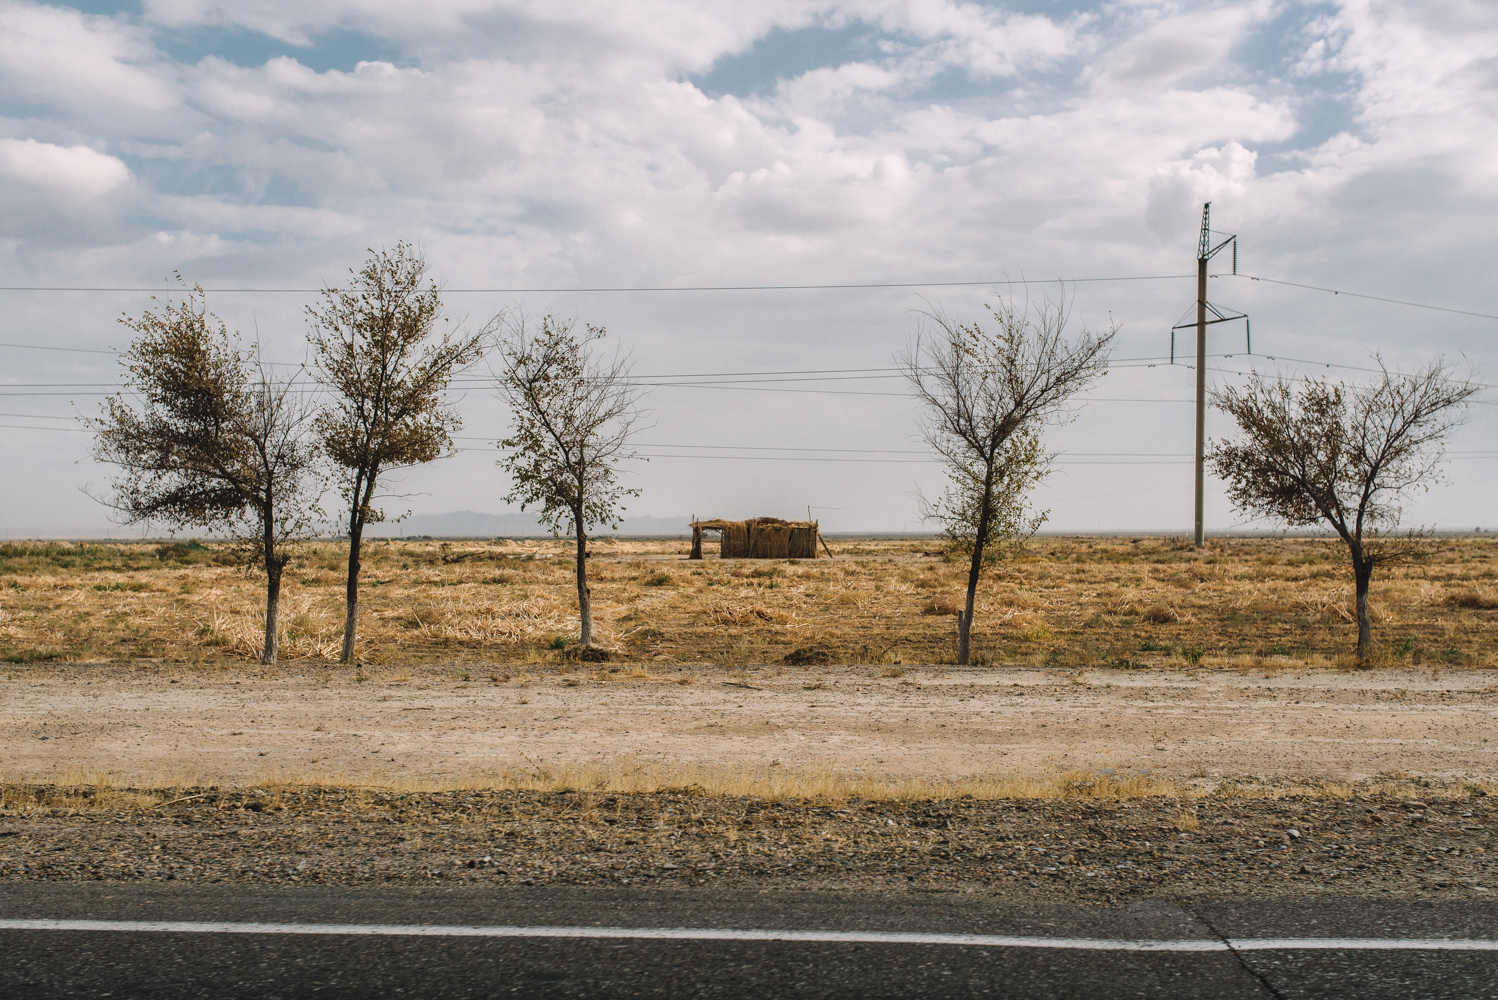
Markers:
{"x": 658, "y": 288}
{"x": 1361, "y": 295}
{"x": 74, "y": 350}
{"x": 23, "y": 427}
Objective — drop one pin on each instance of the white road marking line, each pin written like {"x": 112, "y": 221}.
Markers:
{"x": 755, "y": 934}
{"x": 1362, "y": 944}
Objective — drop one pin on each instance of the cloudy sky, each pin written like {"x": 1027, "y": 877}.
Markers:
{"x": 597, "y": 159}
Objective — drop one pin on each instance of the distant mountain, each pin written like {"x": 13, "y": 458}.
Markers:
{"x": 472, "y": 524}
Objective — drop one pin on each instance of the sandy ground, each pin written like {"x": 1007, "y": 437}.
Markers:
{"x": 238, "y": 726}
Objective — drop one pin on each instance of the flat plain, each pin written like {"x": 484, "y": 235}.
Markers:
{"x": 1074, "y": 602}
{"x": 1142, "y": 718}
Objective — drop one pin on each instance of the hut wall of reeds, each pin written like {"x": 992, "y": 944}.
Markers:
{"x": 760, "y": 538}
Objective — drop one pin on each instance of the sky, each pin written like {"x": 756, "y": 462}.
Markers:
{"x": 611, "y": 161}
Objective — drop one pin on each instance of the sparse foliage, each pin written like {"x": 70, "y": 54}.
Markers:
{"x": 1343, "y": 456}
{"x": 959, "y": 509}
{"x": 574, "y": 410}
{"x": 216, "y": 442}
{"x": 375, "y": 345}
{"x": 986, "y": 394}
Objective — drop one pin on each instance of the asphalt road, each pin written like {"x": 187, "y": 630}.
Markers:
{"x": 1223, "y": 949}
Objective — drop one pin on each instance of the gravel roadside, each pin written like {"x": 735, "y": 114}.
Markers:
{"x": 1366, "y": 845}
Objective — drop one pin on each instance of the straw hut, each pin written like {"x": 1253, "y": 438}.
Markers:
{"x": 761, "y": 538}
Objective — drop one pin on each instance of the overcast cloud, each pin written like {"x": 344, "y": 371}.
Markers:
{"x": 647, "y": 144}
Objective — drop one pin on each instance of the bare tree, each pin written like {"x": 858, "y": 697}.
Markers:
{"x": 985, "y": 395}
{"x": 375, "y": 345}
{"x": 1343, "y": 456}
{"x": 217, "y": 441}
{"x": 575, "y": 409}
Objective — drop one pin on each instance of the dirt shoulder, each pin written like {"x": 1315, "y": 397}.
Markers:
{"x": 156, "y": 725}
{"x": 1364, "y": 846}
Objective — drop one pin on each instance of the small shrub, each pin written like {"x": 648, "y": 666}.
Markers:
{"x": 1186, "y": 821}
{"x": 183, "y": 552}
{"x": 1472, "y": 599}
{"x": 1156, "y": 614}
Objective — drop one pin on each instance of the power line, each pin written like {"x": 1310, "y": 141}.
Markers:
{"x": 658, "y": 288}
{"x": 842, "y": 286}
{"x": 1360, "y": 295}
{"x": 23, "y": 427}
{"x": 73, "y": 350}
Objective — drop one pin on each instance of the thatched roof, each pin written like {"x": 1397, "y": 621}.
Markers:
{"x": 757, "y": 522}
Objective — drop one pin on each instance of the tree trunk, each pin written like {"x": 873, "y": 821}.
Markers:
{"x": 584, "y": 607}
{"x": 965, "y": 619}
{"x": 363, "y": 493}
{"x": 351, "y": 591}
{"x": 1362, "y": 569}
{"x": 273, "y": 568}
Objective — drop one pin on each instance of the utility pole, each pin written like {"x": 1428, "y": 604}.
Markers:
{"x": 1203, "y": 254}
{"x": 1205, "y": 251}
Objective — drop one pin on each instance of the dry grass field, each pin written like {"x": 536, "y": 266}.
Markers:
{"x": 1065, "y": 602}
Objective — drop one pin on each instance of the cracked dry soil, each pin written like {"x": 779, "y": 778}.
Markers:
{"x": 1368, "y": 846}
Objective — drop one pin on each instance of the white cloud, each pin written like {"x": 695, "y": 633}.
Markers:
{"x": 74, "y": 171}
{"x": 546, "y": 144}
{"x": 1173, "y": 42}
{"x": 1178, "y": 190}
{"x": 92, "y": 67}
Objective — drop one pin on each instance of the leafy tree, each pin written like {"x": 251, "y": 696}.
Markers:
{"x": 1343, "y": 456}
{"x": 986, "y": 394}
{"x": 376, "y": 346}
{"x": 215, "y": 442}
{"x": 574, "y": 411}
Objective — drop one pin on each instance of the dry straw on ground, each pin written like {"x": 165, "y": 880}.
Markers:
{"x": 1074, "y": 602}
{"x": 84, "y": 790}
